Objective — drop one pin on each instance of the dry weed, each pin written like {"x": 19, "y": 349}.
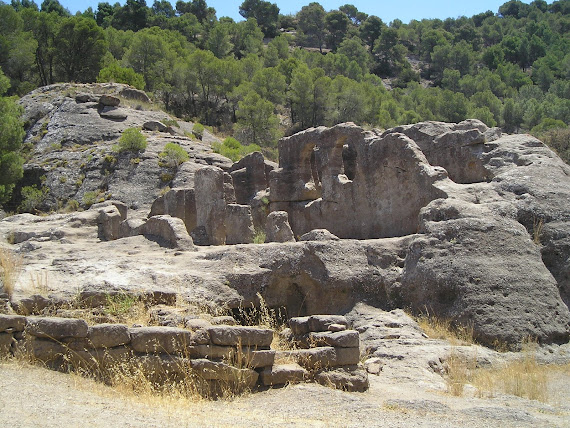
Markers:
{"x": 40, "y": 283}
{"x": 441, "y": 328}
{"x": 10, "y": 268}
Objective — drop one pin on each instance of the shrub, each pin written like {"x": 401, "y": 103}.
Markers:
{"x": 173, "y": 155}
{"x": 132, "y": 140}
{"x": 10, "y": 266}
{"x": 198, "y": 130}
{"x": 32, "y": 198}
{"x": 115, "y": 73}
{"x": 232, "y": 149}
{"x": 558, "y": 139}
{"x": 89, "y": 198}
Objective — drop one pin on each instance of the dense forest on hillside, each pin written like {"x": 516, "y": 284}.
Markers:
{"x": 271, "y": 74}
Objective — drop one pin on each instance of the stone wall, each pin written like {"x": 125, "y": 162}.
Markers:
{"x": 217, "y": 353}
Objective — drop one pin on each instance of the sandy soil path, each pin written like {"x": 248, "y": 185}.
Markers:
{"x": 36, "y": 397}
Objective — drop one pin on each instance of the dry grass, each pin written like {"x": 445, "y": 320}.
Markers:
{"x": 441, "y": 328}
{"x": 40, "y": 282}
{"x": 10, "y": 268}
{"x": 524, "y": 377}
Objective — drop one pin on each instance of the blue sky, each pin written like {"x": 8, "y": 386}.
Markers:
{"x": 405, "y": 10}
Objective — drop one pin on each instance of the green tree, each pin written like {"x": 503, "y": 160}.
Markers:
{"x": 132, "y": 16}
{"x": 11, "y": 137}
{"x": 265, "y": 13}
{"x": 355, "y": 50}
{"x": 80, "y": 46}
{"x": 219, "y": 42}
{"x": 312, "y": 24}
{"x": 270, "y": 84}
{"x": 54, "y": 6}
{"x": 353, "y": 14}
{"x": 17, "y": 51}
{"x": 370, "y": 30}
{"x": 337, "y": 24}
{"x": 256, "y": 122}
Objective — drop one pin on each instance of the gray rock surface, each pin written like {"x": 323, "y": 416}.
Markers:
{"x": 277, "y": 228}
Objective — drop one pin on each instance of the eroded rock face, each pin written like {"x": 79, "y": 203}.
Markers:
{"x": 352, "y": 183}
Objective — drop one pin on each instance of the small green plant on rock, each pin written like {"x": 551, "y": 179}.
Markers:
{"x": 172, "y": 156}
{"x": 198, "y": 130}
{"x": 132, "y": 140}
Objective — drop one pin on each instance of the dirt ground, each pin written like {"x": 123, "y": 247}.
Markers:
{"x": 36, "y": 397}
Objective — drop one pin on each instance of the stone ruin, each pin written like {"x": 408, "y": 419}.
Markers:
{"x": 462, "y": 199}
{"x": 217, "y": 355}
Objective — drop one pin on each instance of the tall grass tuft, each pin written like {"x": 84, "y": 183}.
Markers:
{"x": 10, "y": 268}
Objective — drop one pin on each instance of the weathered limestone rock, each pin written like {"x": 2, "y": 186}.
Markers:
{"x": 167, "y": 340}
{"x": 324, "y": 175}
{"x": 121, "y": 207}
{"x": 56, "y": 328}
{"x": 86, "y": 98}
{"x": 155, "y": 125}
{"x": 282, "y": 374}
{"x": 109, "y": 100}
{"x": 6, "y": 340}
{"x": 177, "y": 202}
{"x": 455, "y": 147}
{"x": 109, "y": 221}
{"x": 134, "y": 94}
{"x": 108, "y": 335}
{"x": 12, "y": 323}
{"x": 229, "y": 192}
{"x": 299, "y": 325}
{"x": 238, "y": 335}
{"x": 114, "y": 113}
{"x": 162, "y": 367}
{"x": 32, "y": 305}
{"x": 223, "y": 320}
{"x": 168, "y": 230}
{"x": 131, "y": 227}
{"x": 341, "y": 339}
{"x": 239, "y": 224}
{"x": 322, "y": 322}
{"x": 277, "y": 228}
{"x": 44, "y": 350}
{"x": 211, "y": 203}
{"x": 211, "y": 370}
{"x": 346, "y": 356}
{"x": 316, "y": 358}
{"x": 353, "y": 380}
{"x": 250, "y": 175}
{"x": 318, "y": 235}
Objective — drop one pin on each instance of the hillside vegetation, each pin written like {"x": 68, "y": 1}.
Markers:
{"x": 272, "y": 75}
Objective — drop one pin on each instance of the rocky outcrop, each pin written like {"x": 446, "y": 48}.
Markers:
{"x": 72, "y": 128}
{"x": 484, "y": 244}
{"x": 325, "y": 174}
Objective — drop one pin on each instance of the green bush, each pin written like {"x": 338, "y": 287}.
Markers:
{"x": 198, "y": 130}
{"x": 89, "y": 198}
{"x": 132, "y": 140}
{"x": 32, "y": 198}
{"x": 115, "y": 73}
{"x": 233, "y": 149}
{"x": 173, "y": 155}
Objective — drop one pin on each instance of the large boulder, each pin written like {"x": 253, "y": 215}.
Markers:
{"x": 169, "y": 231}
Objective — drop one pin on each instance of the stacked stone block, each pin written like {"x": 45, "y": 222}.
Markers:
{"x": 328, "y": 353}
{"x": 214, "y": 353}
